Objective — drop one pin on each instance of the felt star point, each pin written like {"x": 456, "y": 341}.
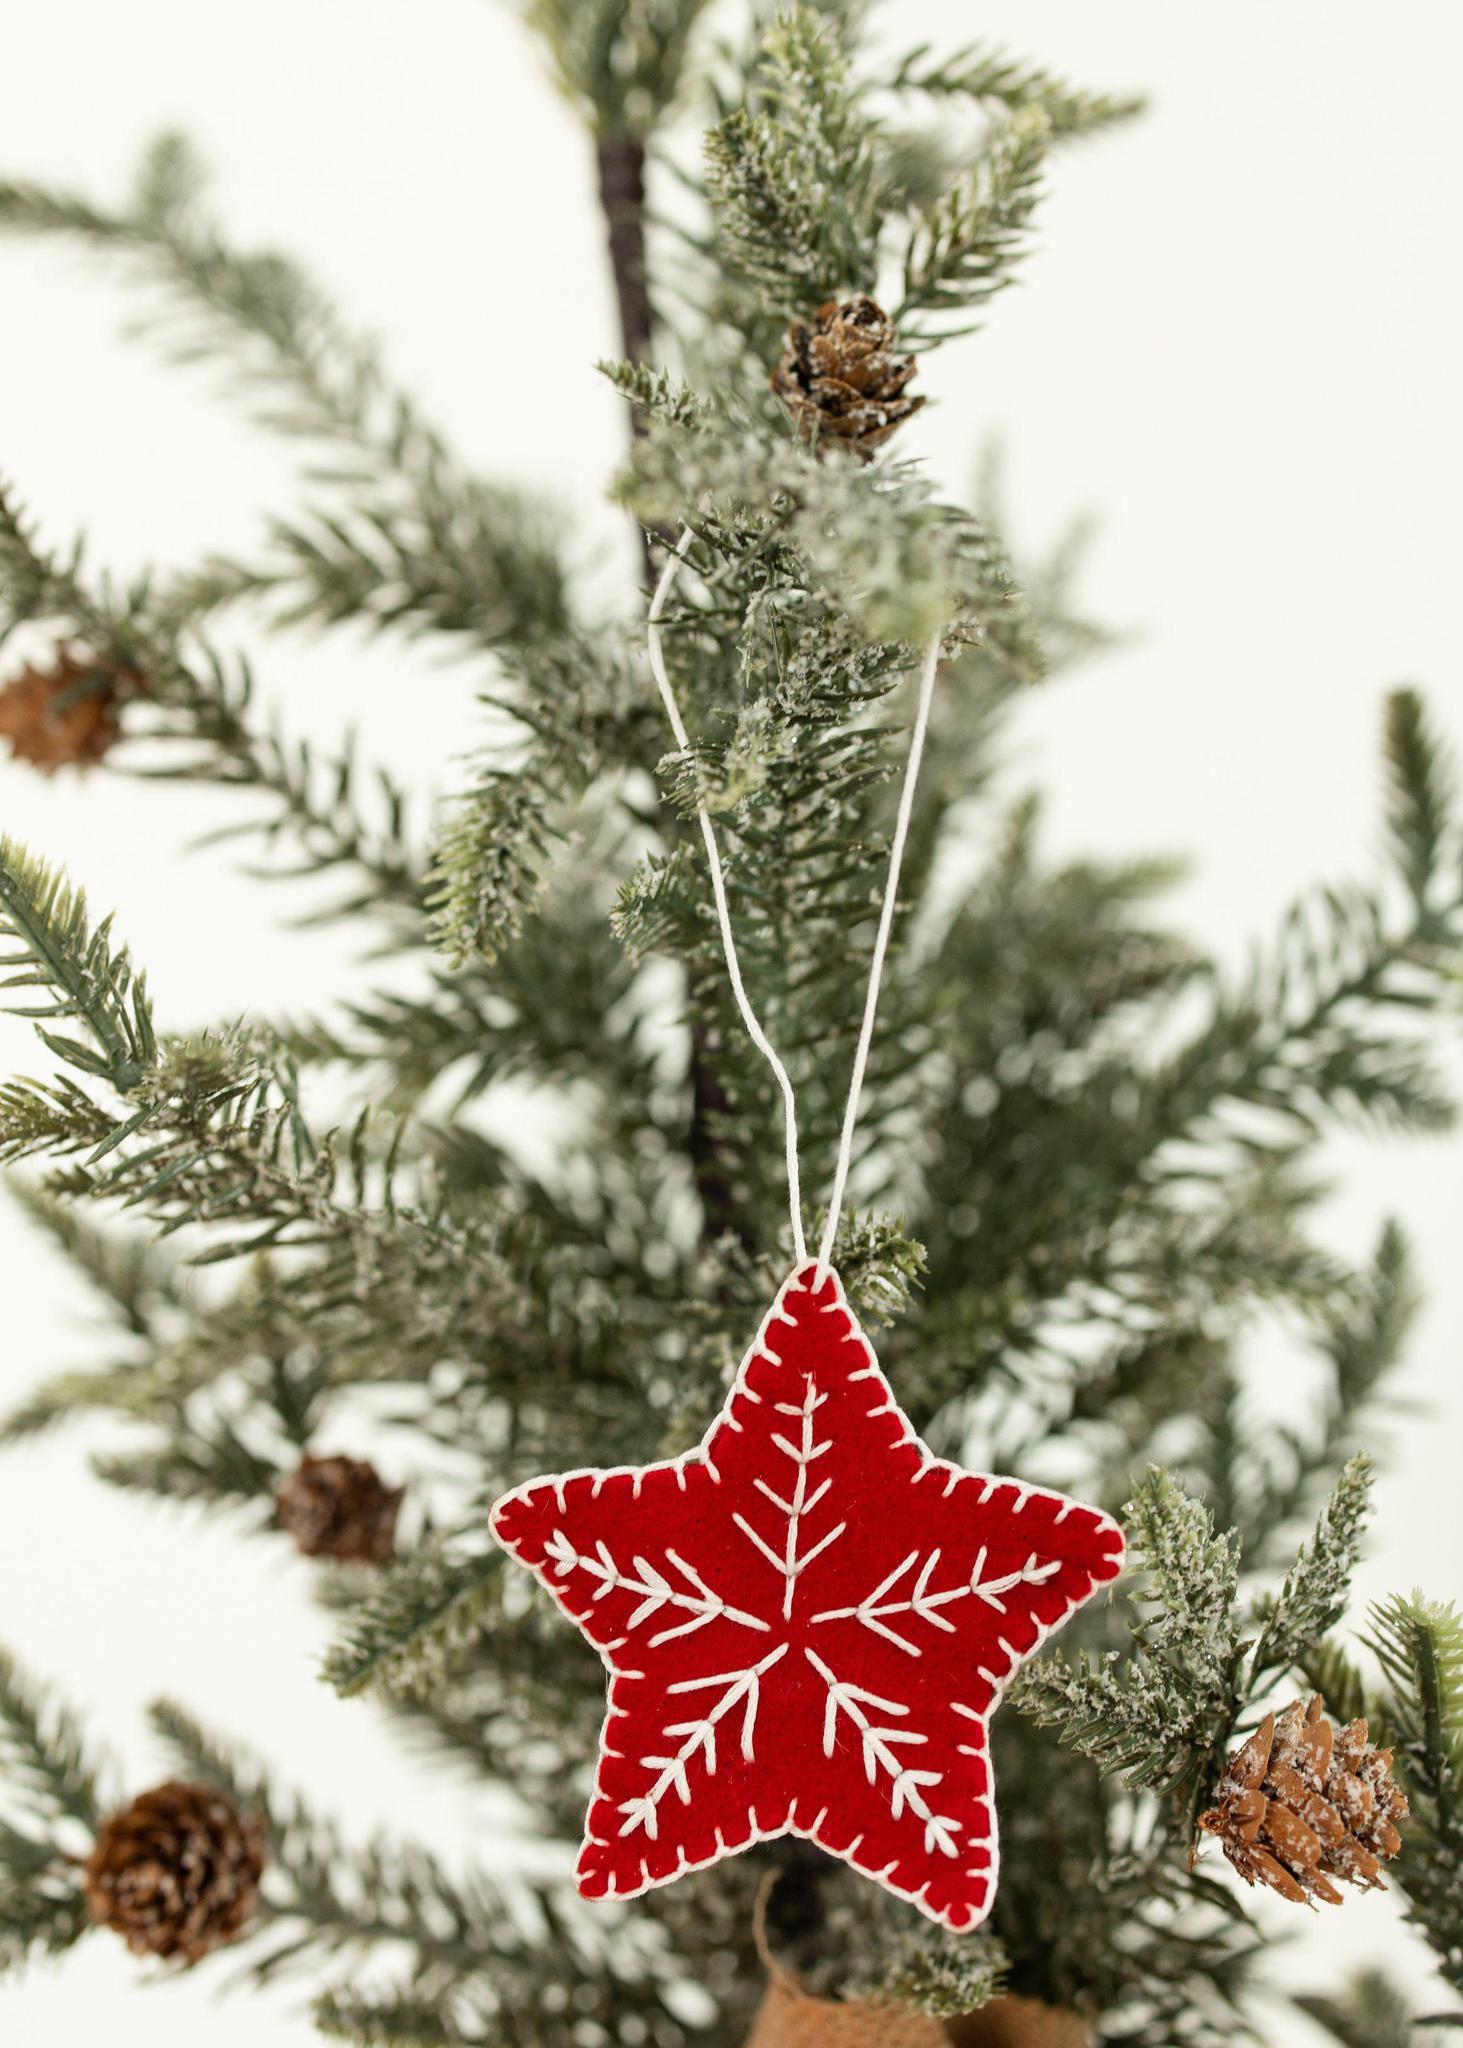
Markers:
{"x": 807, "y": 1623}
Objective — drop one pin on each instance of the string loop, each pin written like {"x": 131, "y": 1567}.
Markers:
{"x": 755, "y": 1032}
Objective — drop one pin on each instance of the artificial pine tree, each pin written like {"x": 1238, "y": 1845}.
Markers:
{"x": 1081, "y": 1163}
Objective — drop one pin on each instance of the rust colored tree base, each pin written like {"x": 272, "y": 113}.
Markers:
{"x": 1021, "y": 2023}
{"x": 789, "y": 2018}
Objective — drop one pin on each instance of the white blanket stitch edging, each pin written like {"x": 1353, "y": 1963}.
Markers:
{"x": 883, "y": 1403}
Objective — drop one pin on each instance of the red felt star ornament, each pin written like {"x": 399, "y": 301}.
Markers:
{"x": 807, "y": 1623}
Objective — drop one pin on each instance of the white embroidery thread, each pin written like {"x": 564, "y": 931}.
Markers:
{"x": 803, "y": 1454}
{"x": 700, "y": 1737}
{"x": 654, "y": 1589}
{"x": 907, "y": 1787}
{"x": 925, "y": 1605}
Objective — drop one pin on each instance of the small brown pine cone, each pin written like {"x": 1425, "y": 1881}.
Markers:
{"x": 176, "y": 1873}
{"x": 1303, "y": 1802}
{"x": 67, "y": 715}
{"x": 840, "y": 380}
{"x": 340, "y": 1508}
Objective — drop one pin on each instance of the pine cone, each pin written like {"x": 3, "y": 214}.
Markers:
{"x": 1302, "y": 1802}
{"x": 340, "y": 1508}
{"x": 176, "y": 1873}
{"x": 839, "y": 380}
{"x": 65, "y": 716}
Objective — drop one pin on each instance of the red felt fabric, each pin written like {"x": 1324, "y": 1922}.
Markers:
{"x": 806, "y": 1623}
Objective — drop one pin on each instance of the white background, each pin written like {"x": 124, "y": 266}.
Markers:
{"x": 1240, "y": 343}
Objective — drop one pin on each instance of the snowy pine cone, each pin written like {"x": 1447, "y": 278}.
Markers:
{"x": 840, "y": 379}
{"x": 1303, "y": 1802}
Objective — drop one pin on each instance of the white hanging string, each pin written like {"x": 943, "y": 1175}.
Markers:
{"x": 758, "y": 1036}
{"x": 881, "y": 948}
{"x": 881, "y": 940}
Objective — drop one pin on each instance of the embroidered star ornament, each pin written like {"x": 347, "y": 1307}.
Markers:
{"x": 807, "y": 1623}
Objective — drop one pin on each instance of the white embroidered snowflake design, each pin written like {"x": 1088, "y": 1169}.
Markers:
{"x": 925, "y": 1605}
{"x": 779, "y": 1660}
{"x": 906, "y": 1783}
{"x": 739, "y": 1688}
{"x": 653, "y": 1589}
{"x": 790, "y": 1561}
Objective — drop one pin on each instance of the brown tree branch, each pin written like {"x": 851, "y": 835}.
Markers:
{"x": 620, "y": 162}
